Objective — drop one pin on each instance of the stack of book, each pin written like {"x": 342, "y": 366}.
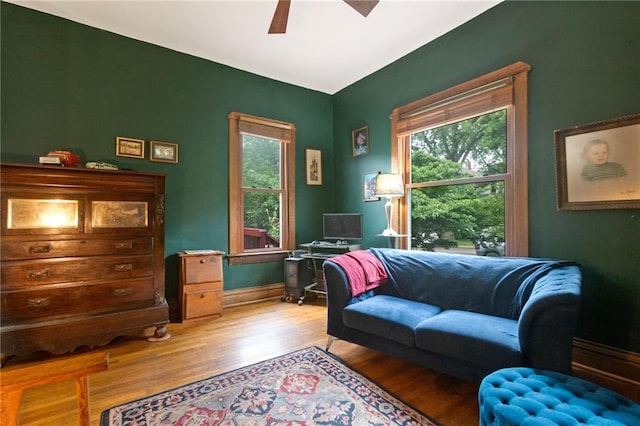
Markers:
{"x": 61, "y": 158}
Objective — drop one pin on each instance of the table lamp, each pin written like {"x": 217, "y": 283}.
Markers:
{"x": 389, "y": 185}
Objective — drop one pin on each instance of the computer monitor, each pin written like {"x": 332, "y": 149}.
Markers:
{"x": 342, "y": 226}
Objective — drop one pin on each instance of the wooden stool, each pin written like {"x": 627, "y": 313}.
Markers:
{"x": 16, "y": 378}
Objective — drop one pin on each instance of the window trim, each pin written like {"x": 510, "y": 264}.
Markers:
{"x": 285, "y": 132}
{"x": 462, "y": 101}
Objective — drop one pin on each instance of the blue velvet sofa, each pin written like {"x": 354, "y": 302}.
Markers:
{"x": 462, "y": 315}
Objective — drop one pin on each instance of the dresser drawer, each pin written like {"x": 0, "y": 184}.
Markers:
{"x": 28, "y": 273}
{"x": 202, "y": 303}
{"x": 17, "y": 250}
{"x": 200, "y": 269}
{"x": 56, "y": 301}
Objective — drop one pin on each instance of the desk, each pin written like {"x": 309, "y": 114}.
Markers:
{"x": 318, "y": 253}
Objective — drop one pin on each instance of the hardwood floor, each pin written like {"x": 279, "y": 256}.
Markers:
{"x": 243, "y": 335}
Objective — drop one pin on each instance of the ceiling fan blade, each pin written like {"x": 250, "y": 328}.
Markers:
{"x": 280, "y": 17}
{"x": 363, "y": 7}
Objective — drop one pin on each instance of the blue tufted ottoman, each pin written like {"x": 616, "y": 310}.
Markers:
{"x": 527, "y": 397}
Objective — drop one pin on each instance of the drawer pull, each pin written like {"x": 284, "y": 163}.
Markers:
{"x": 127, "y": 291}
{"x": 39, "y": 249}
{"x": 121, "y": 267}
{"x": 38, "y": 302}
{"x": 38, "y": 275}
{"x": 124, "y": 244}
{"x": 208, "y": 260}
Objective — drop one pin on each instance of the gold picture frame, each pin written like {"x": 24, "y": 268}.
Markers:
{"x": 313, "y": 166}
{"x": 129, "y": 147}
{"x": 163, "y": 152}
{"x": 360, "y": 141}
{"x": 598, "y": 166}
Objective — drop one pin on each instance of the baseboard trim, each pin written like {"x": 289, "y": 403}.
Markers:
{"x": 613, "y": 368}
{"x": 248, "y": 295}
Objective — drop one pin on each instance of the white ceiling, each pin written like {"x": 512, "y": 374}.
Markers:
{"x": 327, "y": 46}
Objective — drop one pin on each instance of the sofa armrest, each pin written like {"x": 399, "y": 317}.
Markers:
{"x": 547, "y": 323}
{"x": 338, "y": 296}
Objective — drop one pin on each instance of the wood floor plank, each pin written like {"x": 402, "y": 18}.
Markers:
{"x": 244, "y": 335}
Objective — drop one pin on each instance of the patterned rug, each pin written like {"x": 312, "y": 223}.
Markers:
{"x": 306, "y": 387}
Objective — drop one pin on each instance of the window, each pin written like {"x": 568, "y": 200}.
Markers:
{"x": 261, "y": 189}
{"x": 463, "y": 156}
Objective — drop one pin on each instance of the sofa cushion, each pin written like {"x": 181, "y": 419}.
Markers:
{"x": 388, "y": 316}
{"x": 477, "y": 338}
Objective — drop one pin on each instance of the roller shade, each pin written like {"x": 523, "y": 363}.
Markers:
{"x": 271, "y": 129}
{"x": 493, "y": 96}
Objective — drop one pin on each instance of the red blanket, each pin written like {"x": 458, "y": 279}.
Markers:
{"x": 363, "y": 269}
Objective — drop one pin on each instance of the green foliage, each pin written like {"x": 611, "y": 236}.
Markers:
{"x": 261, "y": 175}
{"x": 454, "y": 210}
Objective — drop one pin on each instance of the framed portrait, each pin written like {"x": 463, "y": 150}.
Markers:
{"x": 598, "y": 165}
{"x": 369, "y": 186}
{"x": 313, "y": 166}
{"x": 360, "y": 141}
{"x": 129, "y": 147}
{"x": 163, "y": 152}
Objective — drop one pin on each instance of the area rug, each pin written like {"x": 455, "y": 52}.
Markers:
{"x": 305, "y": 387}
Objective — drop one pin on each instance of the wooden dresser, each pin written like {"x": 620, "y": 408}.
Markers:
{"x": 201, "y": 284}
{"x": 82, "y": 257}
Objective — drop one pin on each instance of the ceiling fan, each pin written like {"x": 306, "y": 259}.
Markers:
{"x": 281, "y": 15}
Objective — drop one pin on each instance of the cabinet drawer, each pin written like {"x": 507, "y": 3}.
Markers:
{"x": 200, "y": 269}
{"x": 202, "y": 303}
{"x": 17, "y": 250}
{"x": 83, "y": 299}
{"x": 27, "y": 273}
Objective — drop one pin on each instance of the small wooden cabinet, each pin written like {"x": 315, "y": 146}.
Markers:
{"x": 82, "y": 256}
{"x": 201, "y": 284}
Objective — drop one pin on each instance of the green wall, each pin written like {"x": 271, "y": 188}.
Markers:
{"x": 69, "y": 86}
{"x": 585, "y": 67}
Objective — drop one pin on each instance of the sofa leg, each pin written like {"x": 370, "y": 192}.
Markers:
{"x": 329, "y": 342}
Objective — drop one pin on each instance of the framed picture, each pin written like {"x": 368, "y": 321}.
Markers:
{"x": 598, "y": 165}
{"x": 163, "y": 152}
{"x": 313, "y": 166}
{"x": 360, "y": 141}
{"x": 128, "y": 147}
{"x": 369, "y": 186}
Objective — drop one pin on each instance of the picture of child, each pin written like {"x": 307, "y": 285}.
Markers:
{"x": 598, "y": 166}
{"x": 360, "y": 141}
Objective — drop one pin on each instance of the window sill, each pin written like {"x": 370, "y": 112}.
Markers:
{"x": 259, "y": 257}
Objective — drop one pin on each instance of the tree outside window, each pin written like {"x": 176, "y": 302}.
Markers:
{"x": 450, "y": 213}
{"x": 261, "y": 188}
{"x": 463, "y": 156}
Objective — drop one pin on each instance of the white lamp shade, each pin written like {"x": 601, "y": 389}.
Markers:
{"x": 389, "y": 185}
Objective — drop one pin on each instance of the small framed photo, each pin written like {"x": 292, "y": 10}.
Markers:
{"x": 129, "y": 147}
{"x": 360, "y": 141}
{"x": 163, "y": 152}
{"x": 369, "y": 186}
{"x": 598, "y": 165}
{"x": 313, "y": 166}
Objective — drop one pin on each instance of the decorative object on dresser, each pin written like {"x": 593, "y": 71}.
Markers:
{"x": 201, "y": 283}
{"x": 82, "y": 257}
